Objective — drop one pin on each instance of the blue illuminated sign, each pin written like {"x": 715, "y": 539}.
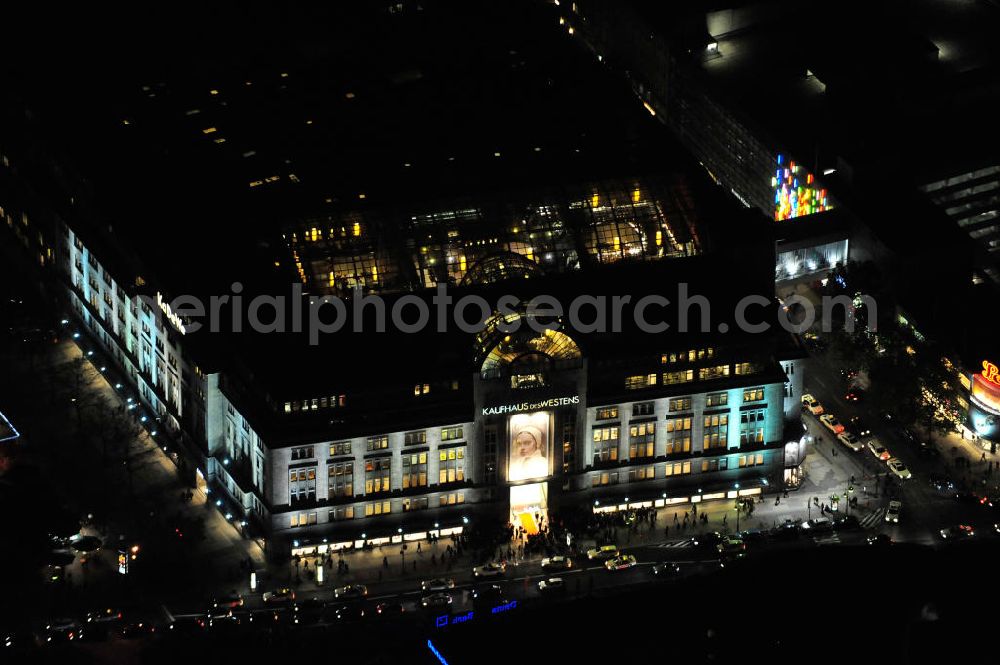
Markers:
{"x": 430, "y": 645}
{"x": 444, "y": 619}
{"x": 506, "y": 607}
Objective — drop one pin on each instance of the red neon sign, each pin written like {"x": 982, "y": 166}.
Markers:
{"x": 991, "y": 372}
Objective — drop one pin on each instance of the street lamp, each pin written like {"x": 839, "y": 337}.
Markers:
{"x": 737, "y": 507}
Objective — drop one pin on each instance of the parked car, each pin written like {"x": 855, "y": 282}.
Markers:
{"x": 488, "y": 593}
{"x": 187, "y": 626}
{"x": 552, "y": 586}
{"x": 879, "y": 539}
{"x": 556, "y": 563}
{"x": 790, "y": 530}
{"x": 892, "y": 512}
{"x": 282, "y": 596}
{"x": 489, "y": 570}
{"x": 350, "y": 591}
{"x": 389, "y": 609}
{"x": 969, "y": 498}
{"x": 753, "y": 536}
{"x": 899, "y": 469}
{"x": 231, "y": 600}
{"x": 436, "y": 600}
{"x": 958, "y": 532}
{"x": 603, "y": 552}
{"x": 941, "y": 483}
{"x": 812, "y": 404}
{"x": 354, "y": 612}
{"x": 62, "y": 630}
{"x": 848, "y": 375}
{"x": 858, "y": 425}
{"x": 878, "y": 450}
{"x": 850, "y": 440}
{"x": 731, "y": 549}
{"x": 101, "y": 624}
{"x": 818, "y": 525}
{"x": 437, "y": 584}
{"x": 707, "y": 540}
{"x": 855, "y": 395}
{"x": 667, "y": 569}
{"x": 831, "y": 423}
{"x": 846, "y": 523}
{"x": 623, "y": 562}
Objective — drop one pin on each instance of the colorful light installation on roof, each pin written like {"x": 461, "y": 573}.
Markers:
{"x": 796, "y": 192}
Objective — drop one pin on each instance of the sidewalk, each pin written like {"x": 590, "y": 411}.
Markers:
{"x": 158, "y": 489}
{"x": 963, "y": 460}
{"x": 366, "y": 567}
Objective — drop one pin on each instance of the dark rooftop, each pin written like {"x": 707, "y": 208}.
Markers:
{"x": 203, "y": 134}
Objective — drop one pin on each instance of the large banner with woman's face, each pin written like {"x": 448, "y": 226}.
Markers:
{"x": 529, "y": 446}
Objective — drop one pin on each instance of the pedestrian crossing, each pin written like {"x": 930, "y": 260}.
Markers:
{"x": 872, "y": 519}
{"x": 869, "y": 521}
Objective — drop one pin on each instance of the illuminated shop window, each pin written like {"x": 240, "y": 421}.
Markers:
{"x": 716, "y": 399}
{"x": 678, "y": 468}
{"x": 716, "y": 372}
{"x": 642, "y": 473}
{"x": 414, "y": 470}
{"x": 752, "y": 426}
{"x": 640, "y": 441}
{"x": 680, "y": 404}
{"x": 452, "y": 499}
{"x": 451, "y": 465}
{"x": 751, "y": 460}
{"x": 415, "y": 438}
{"x": 608, "y": 413}
{"x": 378, "y": 508}
{"x": 303, "y": 519}
{"x": 709, "y": 465}
{"x": 605, "y": 445}
{"x": 605, "y": 478}
{"x": 377, "y": 443}
{"x": 340, "y": 448}
{"x": 639, "y": 381}
{"x": 378, "y": 475}
{"x": 678, "y": 435}
{"x": 682, "y": 376}
{"x": 341, "y": 513}
{"x": 452, "y": 433}
{"x": 341, "y": 479}
{"x": 302, "y": 485}
{"x": 715, "y": 431}
{"x": 417, "y": 503}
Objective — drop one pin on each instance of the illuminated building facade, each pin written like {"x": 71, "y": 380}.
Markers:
{"x": 796, "y": 191}
{"x": 387, "y": 438}
{"x": 482, "y": 241}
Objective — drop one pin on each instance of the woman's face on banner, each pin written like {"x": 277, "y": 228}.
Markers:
{"x": 526, "y": 444}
